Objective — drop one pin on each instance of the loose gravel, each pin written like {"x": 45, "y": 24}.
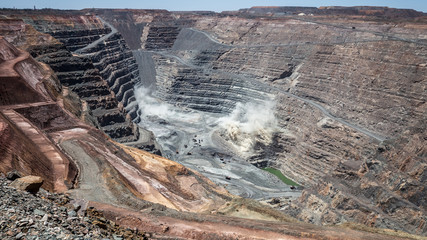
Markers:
{"x": 52, "y": 216}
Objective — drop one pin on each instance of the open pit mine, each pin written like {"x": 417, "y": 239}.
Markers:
{"x": 171, "y": 124}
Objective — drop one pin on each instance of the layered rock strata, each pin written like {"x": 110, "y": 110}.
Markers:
{"x": 81, "y": 77}
{"x": 105, "y": 86}
{"x": 147, "y": 29}
{"x": 24, "y": 147}
{"x": 342, "y": 85}
{"x": 392, "y": 180}
{"x": 202, "y": 89}
{"x": 388, "y": 109}
{"x": 39, "y": 137}
{"x": 117, "y": 66}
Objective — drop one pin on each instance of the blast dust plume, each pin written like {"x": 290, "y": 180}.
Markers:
{"x": 249, "y": 124}
{"x": 154, "y": 108}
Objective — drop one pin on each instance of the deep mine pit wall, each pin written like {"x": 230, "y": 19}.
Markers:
{"x": 308, "y": 58}
{"x": 370, "y": 74}
{"x": 28, "y": 89}
{"x": 202, "y": 90}
{"x": 94, "y": 62}
{"x": 309, "y": 145}
{"x": 40, "y": 137}
{"x": 29, "y": 129}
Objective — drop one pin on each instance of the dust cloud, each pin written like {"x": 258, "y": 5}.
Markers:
{"x": 241, "y": 130}
{"x": 249, "y": 124}
{"x": 153, "y": 108}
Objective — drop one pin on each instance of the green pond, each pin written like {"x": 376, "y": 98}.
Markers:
{"x": 280, "y": 175}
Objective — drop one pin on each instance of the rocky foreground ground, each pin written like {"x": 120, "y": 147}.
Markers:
{"x": 47, "y": 215}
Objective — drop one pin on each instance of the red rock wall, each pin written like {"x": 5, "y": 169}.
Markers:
{"x": 18, "y": 152}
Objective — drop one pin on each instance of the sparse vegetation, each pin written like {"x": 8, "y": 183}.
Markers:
{"x": 280, "y": 175}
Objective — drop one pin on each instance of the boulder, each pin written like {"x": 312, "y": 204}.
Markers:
{"x": 30, "y": 183}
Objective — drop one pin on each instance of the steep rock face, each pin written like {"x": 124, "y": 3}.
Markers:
{"x": 105, "y": 86}
{"x": 42, "y": 138}
{"x": 311, "y": 153}
{"x": 340, "y": 75}
{"x": 96, "y": 41}
{"x": 385, "y": 97}
{"x": 132, "y": 24}
{"x": 22, "y": 35}
{"x": 75, "y": 39}
{"x": 117, "y": 66}
{"x": 27, "y": 152}
{"x": 251, "y": 68}
{"x": 81, "y": 77}
{"x": 342, "y": 85}
{"x": 393, "y": 181}
{"x": 23, "y": 145}
{"x": 119, "y": 175}
{"x": 372, "y": 90}
{"x": 147, "y": 29}
{"x": 202, "y": 90}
